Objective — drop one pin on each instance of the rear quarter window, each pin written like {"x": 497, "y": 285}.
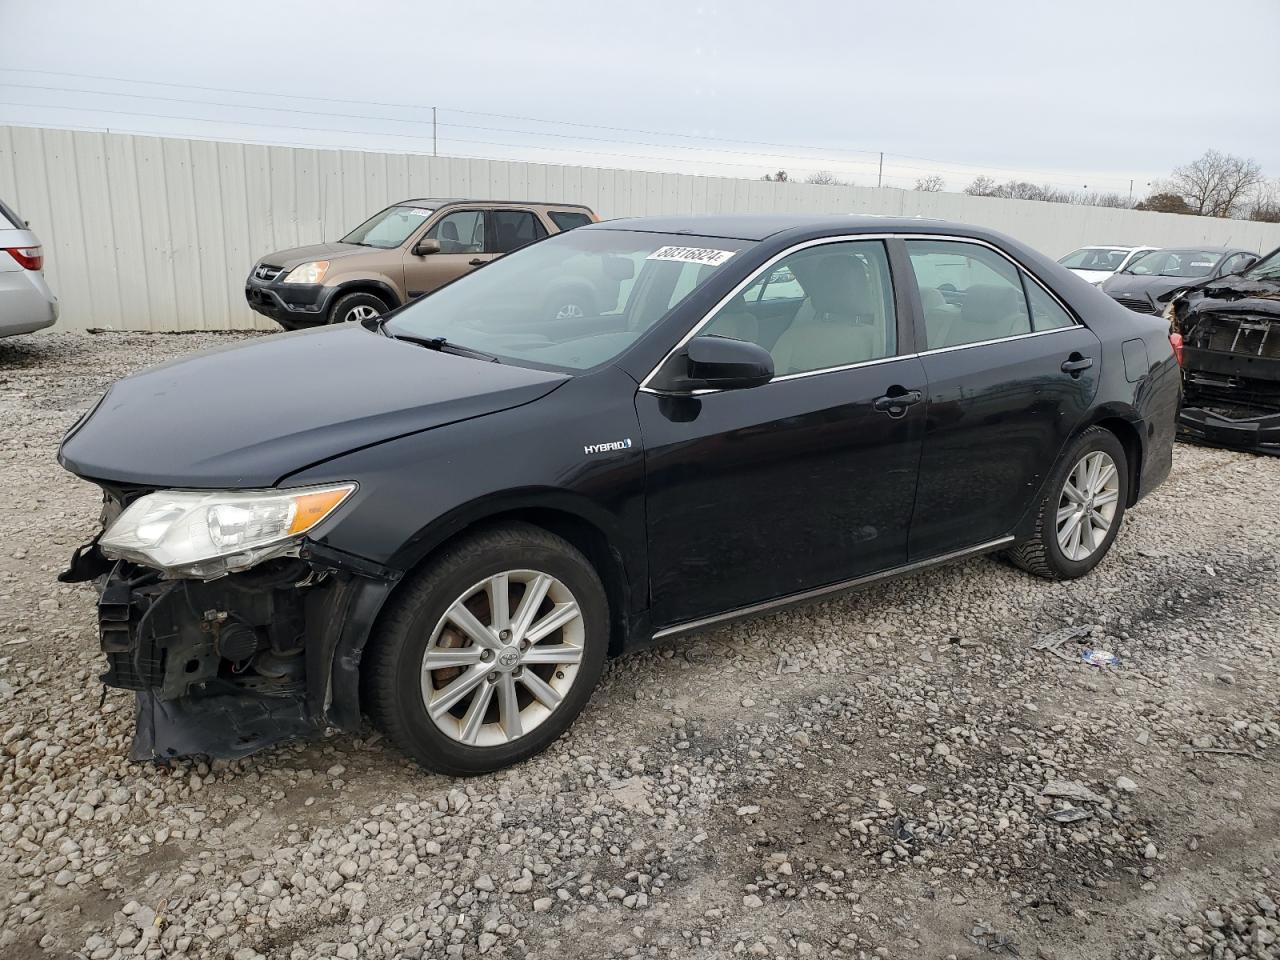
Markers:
{"x": 568, "y": 219}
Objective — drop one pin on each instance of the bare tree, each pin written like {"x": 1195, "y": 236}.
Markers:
{"x": 1164, "y": 202}
{"x": 930, "y": 184}
{"x": 1265, "y": 204}
{"x": 982, "y": 186}
{"x": 824, "y": 177}
{"x": 779, "y": 177}
{"x": 1217, "y": 184}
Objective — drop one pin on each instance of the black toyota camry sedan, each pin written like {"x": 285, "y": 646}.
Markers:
{"x": 448, "y": 518}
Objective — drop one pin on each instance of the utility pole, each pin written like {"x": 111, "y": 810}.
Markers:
{"x": 880, "y": 175}
{"x": 1131, "y": 193}
{"x": 433, "y": 133}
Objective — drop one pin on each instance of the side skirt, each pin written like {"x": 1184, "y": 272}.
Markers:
{"x": 770, "y": 606}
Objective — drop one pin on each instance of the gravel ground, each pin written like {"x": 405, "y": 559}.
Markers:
{"x": 923, "y": 769}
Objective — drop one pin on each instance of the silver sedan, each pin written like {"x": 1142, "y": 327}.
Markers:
{"x": 26, "y": 302}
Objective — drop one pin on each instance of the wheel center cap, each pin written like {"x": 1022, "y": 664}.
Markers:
{"x": 508, "y": 658}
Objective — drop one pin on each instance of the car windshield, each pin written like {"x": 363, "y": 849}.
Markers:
{"x": 1095, "y": 258}
{"x": 388, "y": 229}
{"x": 573, "y": 301}
{"x": 1268, "y": 268}
{"x": 1174, "y": 263}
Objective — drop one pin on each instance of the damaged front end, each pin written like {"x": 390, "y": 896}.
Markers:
{"x": 1230, "y": 363}
{"x": 224, "y": 666}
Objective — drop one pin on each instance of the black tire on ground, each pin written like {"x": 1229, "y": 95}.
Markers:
{"x": 1041, "y": 554}
{"x": 392, "y": 664}
{"x": 348, "y": 306}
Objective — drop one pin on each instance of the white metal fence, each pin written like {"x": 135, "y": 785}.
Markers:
{"x": 150, "y": 233}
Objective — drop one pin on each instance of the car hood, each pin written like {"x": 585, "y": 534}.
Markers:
{"x": 1150, "y": 288}
{"x": 317, "y": 251}
{"x": 249, "y": 414}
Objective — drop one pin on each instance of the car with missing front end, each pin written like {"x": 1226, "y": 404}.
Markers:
{"x": 1145, "y": 284}
{"x": 446, "y": 520}
{"x": 406, "y": 251}
{"x": 1229, "y": 336}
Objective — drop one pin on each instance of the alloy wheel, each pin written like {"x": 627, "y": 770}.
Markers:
{"x": 1087, "y": 505}
{"x": 569, "y": 311}
{"x": 502, "y": 658}
{"x": 361, "y": 312}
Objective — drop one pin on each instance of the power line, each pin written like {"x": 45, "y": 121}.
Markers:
{"x": 417, "y": 123}
{"x": 949, "y": 165}
{"x": 376, "y": 133}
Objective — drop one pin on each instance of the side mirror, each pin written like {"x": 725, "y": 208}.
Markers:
{"x": 1243, "y": 267}
{"x": 425, "y": 247}
{"x": 718, "y": 363}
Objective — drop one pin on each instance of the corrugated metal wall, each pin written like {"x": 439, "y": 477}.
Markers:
{"x": 149, "y": 233}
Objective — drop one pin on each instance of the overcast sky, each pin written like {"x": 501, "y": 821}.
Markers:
{"x": 1078, "y": 94}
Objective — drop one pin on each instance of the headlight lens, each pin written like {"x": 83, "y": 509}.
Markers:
{"x": 205, "y": 534}
{"x": 308, "y": 272}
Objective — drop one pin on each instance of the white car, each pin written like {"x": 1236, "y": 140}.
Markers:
{"x": 1095, "y": 264}
{"x": 26, "y": 302}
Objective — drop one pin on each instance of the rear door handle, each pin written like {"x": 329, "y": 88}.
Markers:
{"x": 1076, "y": 364}
{"x": 895, "y": 403}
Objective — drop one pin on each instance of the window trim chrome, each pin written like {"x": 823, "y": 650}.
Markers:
{"x": 846, "y": 238}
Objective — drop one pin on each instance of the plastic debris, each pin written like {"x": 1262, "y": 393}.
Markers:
{"x": 1099, "y": 658}
{"x": 1069, "y": 815}
{"x": 1053, "y": 642}
{"x": 1070, "y": 790}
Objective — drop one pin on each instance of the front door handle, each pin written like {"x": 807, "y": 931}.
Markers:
{"x": 896, "y": 401}
{"x": 477, "y": 262}
{"x": 1076, "y": 364}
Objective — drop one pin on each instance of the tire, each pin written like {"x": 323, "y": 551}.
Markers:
{"x": 353, "y": 307}
{"x": 463, "y": 740}
{"x": 1044, "y": 554}
{"x": 571, "y": 304}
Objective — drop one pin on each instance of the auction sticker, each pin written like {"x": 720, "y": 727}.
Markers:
{"x": 710, "y": 258}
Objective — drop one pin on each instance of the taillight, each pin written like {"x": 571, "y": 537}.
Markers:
{"x": 29, "y": 258}
{"x": 1175, "y": 341}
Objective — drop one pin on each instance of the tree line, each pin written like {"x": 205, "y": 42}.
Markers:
{"x": 1215, "y": 185}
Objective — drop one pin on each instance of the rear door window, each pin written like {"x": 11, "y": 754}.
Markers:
{"x": 512, "y": 229}
{"x": 970, "y": 294}
{"x": 10, "y": 219}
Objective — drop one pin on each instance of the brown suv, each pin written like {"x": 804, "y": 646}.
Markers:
{"x": 403, "y": 252}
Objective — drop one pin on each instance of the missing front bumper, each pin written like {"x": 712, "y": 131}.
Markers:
{"x": 1259, "y": 434}
{"x": 225, "y": 667}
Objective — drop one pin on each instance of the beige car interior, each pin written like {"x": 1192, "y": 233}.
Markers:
{"x": 842, "y": 320}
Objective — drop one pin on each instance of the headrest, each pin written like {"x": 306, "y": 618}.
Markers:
{"x": 989, "y": 303}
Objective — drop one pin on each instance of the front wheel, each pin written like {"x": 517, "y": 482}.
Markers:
{"x": 355, "y": 307}
{"x": 1082, "y": 509}
{"x": 488, "y": 655}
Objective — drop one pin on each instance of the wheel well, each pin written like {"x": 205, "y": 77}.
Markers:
{"x": 583, "y": 534}
{"x": 372, "y": 287}
{"x": 1127, "y": 434}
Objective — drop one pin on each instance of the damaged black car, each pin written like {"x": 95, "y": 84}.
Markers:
{"x": 447, "y": 518}
{"x": 1229, "y": 333}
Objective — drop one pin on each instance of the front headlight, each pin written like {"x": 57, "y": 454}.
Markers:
{"x": 308, "y": 272}
{"x": 205, "y": 534}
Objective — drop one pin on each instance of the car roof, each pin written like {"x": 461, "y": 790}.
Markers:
{"x": 755, "y": 226}
{"x": 1118, "y": 246}
{"x": 435, "y": 203}
{"x": 1217, "y": 250}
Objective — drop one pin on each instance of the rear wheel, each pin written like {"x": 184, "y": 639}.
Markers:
{"x": 488, "y": 655}
{"x": 354, "y": 307}
{"x": 1082, "y": 509}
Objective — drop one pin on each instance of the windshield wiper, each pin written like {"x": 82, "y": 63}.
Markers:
{"x": 441, "y": 345}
